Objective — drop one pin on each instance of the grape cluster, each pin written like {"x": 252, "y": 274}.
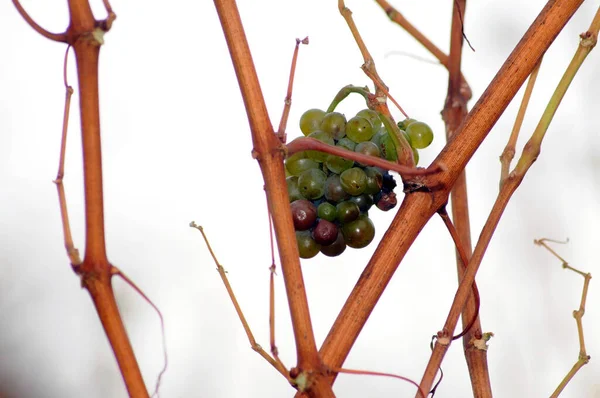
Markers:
{"x": 330, "y": 196}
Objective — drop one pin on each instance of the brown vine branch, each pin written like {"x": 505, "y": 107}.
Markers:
{"x": 454, "y": 112}
{"x": 418, "y": 207}
{"x": 84, "y": 35}
{"x": 306, "y": 143}
{"x": 267, "y": 151}
{"x": 288, "y": 98}
{"x": 528, "y": 157}
{"x": 255, "y": 346}
{"x": 583, "y": 357}
{"x": 509, "y": 151}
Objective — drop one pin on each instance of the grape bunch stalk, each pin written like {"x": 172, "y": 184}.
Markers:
{"x": 331, "y": 196}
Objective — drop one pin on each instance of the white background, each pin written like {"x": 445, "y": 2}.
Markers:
{"x": 176, "y": 148}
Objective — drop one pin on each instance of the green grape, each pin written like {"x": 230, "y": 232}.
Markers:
{"x": 307, "y": 247}
{"x": 334, "y": 123}
{"x": 322, "y": 136}
{"x": 292, "y": 186}
{"x": 373, "y": 117}
{"x": 359, "y": 233}
{"x": 299, "y": 166}
{"x": 374, "y": 180}
{"x": 388, "y": 149}
{"x": 333, "y": 189}
{"x": 336, "y": 248}
{"x": 325, "y": 233}
{"x": 405, "y": 123}
{"x": 354, "y": 181}
{"x": 311, "y": 183}
{"x": 326, "y": 211}
{"x": 364, "y": 202}
{"x": 337, "y": 164}
{"x": 407, "y": 137}
{"x": 347, "y": 211}
{"x": 346, "y": 143}
{"x": 311, "y": 120}
{"x": 376, "y": 139}
{"x": 420, "y": 134}
{"x": 416, "y": 156}
{"x": 359, "y": 129}
{"x": 367, "y": 148}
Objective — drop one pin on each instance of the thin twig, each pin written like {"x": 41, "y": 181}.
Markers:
{"x": 72, "y": 251}
{"x": 583, "y": 357}
{"x": 126, "y": 279}
{"x": 256, "y": 347}
{"x": 288, "y": 97}
{"x": 272, "y": 273}
{"x": 384, "y": 374}
{"x": 60, "y": 37}
{"x": 509, "y": 151}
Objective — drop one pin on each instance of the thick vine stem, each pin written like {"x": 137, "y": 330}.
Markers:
{"x": 528, "y": 157}
{"x": 417, "y": 208}
{"x": 454, "y": 112}
{"x": 270, "y": 158}
{"x": 85, "y": 35}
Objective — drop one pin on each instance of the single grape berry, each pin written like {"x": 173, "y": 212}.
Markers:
{"x": 337, "y": 164}
{"x": 367, "y": 148}
{"x": 311, "y": 120}
{"x": 334, "y": 192}
{"x": 347, "y": 211}
{"x": 405, "y": 123}
{"x": 323, "y": 137}
{"x": 336, "y": 248}
{"x": 373, "y": 117}
{"x": 364, "y": 202}
{"x": 326, "y": 211}
{"x": 388, "y": 148}
{"x": 354, "y": 181}
{"x": 292, "y": 186}
{"x": 374, "y": 180}
{"x": 325, "y": 233}
{"x": 304, "y": 214}
{"x": 311, "y": 183}
{"x": 297, "y": 166}
{"x": 346, "y": 143}
{"x": 334, "y": 123}
{"x": 359, "y": 129}
{"x": 420, "y": 134}
{"x": 359, "y": 233}
{"x": 387, "y": 201}
{"x": 307, "y": 247}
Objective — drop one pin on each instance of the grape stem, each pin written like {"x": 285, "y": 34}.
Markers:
{"x": 305, "y": 143}
{"x": 378, "y": 101}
